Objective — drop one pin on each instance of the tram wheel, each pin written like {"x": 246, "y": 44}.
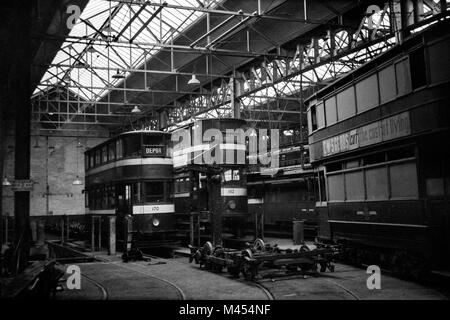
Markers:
{"x": 259, "y": 245}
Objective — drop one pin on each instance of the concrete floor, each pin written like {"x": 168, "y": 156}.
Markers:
{"x": 177, "y": 279}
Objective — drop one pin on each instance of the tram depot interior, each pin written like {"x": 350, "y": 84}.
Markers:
{"x": 337, "y": 167}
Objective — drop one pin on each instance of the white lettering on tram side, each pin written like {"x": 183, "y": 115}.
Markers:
{"x": 379, "y": 131}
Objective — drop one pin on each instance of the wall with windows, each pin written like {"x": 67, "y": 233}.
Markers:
{"x": 55, "y": 162}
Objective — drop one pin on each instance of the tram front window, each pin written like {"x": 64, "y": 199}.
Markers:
{"x": 154, "y": 191}
{"x": 132, "y": 145}
{"x": 231, "y": 175}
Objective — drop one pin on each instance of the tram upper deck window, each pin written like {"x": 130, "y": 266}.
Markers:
{"x": 98, "y": 157}
{"x": 104, "y": 154}
{"x": 313, "y": 118}
{"x": 119, "y": 149}
{"x": 132, "y": 145}
{"x": 149, "y": 139}
{"x": 231, "y": 175}
{"x": 111, "y": 151}
{"x": 154, "y": 191}
{"x": 91, "y": 159}
{"x": 418, "y": 68}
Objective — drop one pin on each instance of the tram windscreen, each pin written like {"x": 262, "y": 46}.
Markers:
{"x": 154, "y": 191}
{"x": 132, "y": 145}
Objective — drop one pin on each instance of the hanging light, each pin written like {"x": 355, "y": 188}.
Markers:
{"x": 136, "y": 110}
{"x": 36, "y": 145}
{"x": 91, "y": 49}
{"x": 193, "y": 80}
{"x": 77, "y": 181}
{"x": 6, "y": 182}
{"x": 118, "y": 75}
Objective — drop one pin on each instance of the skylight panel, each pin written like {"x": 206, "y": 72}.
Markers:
{"x": 110, "y": 18}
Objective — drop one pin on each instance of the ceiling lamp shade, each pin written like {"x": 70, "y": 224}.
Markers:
{"x": 193, "y": 80}
{"x": 77, "y": 181}
{"x": 136, "y": 110}
{"x": 6, "y": 182}
{"x": 91, "y": 49}
{"x": 118, "y": 75}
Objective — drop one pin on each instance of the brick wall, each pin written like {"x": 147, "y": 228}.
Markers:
{"x": 53, "y": 162}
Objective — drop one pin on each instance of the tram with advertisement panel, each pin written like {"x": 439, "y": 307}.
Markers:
{"x": 379, "y": 140}
{"x": 130, "y": 177}
{"x": 194, "y": 179}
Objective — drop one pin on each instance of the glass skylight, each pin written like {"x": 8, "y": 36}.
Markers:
{"x": 89, "y": 63}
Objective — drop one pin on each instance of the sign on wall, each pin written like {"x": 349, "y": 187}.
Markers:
{"x": 22, "y": 185}
{"x": 379, "y": 131}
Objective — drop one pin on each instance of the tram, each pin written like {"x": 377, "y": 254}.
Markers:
{"x": 379, "y": 138}
{"x": 130, "y": 177}
{"x": 195, "y": 194}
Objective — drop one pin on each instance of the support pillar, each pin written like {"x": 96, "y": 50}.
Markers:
{"x": 237, "y": 88}
{"x": 112, "y": 235}
{"x": 162, "y": 119}
{"x": 62, "y": 230}
{"x": 92, "y": 233}
{"x": 2, "y": 154}
{"x": 407, "y": 16}
{"x": 418, "y": 11}
{"x": 20, "y": 98}
{"x": 191, "y": 231}
{"x": 215, "y": 209}
{"x": 443, "y": 5}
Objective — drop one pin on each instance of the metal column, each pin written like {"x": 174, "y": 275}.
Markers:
{"x": 20, "y": 98}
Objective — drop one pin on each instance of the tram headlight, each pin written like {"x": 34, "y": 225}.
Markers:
{"x": 155, "y": 222}
{"x": 232, "y": 204}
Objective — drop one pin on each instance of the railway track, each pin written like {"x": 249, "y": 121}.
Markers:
{"x": 98, "y": 285}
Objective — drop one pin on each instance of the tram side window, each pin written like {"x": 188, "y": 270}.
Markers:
{"x": 336, "y": 187}
{"x": 202, "y": 181}
{"x": 91, "y": 160}
{"x": 313, "y": 118}
{"x": 136, "y": 192}
{"x": 111, "y": 198}
{"x": 231, "y": 175}
{"x": 403, "y": 180}
{"x": 111, "y": 152}
{"x": 119, "y": 149}
{"x": 104, "y": 154}
{"x": 439, "y": 63}
{"x": 322, "y": 186}
{"x": 154, "y": 191}
{"x": 104, "y": 194}
{"x": 98, "y": 199}
{"x": 418, "y": 68}
{"x": 377, "y": 185}
{"x": 132, "y": 145}
{"x": 91, "y": 197}
{"x": 98, "y": 156}
{"x": 386, "y": 81}
{"x": 402, "y": 76}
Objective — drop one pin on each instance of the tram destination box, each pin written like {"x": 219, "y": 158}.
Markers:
{"x": 153, "y": 151}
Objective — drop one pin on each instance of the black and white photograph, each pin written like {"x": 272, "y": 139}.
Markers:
{"x": 226, "y": 158}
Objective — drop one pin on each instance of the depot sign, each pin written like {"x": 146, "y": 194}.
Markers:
{"x": 376, "y": 132}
